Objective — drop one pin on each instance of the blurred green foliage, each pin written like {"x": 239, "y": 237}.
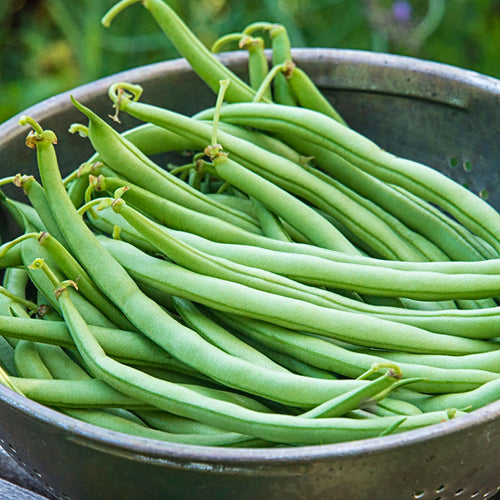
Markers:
{"x": 48, "y": 46}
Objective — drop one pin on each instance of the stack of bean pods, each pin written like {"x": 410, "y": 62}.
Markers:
{"x": 291, "y": 283}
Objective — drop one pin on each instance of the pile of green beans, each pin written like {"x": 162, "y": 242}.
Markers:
{"x": 287, "y": 282}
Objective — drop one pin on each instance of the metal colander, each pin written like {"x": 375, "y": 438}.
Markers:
{"x": 442, "y": 116}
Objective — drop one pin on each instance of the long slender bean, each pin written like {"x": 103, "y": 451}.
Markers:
{"x": 123, "y": 157}
{"x": 199, "y": 57}
{"x": 351, "y": 146}
{"x": 463, "y": 323}
{"x": 281, "y": 428}
{"x": 329, "y": 356}
{"x": 73, "y": 270}
{"x": 151, "y": 319}
{"x": 286, "y": 311}
{"x": 425, "y": 280}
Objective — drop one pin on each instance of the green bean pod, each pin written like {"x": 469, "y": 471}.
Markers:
{"x": 473, "y": 212}
{"x": 128, "y": 347}
{"x": 73, "y": 270}
{"x": 282, "y": 172}
{"x": 285, "y": 311}
{"x": 203, "y": 62}
{"x": 185, "y": 402}
{"x": 10, "y": 255}
{"x": 281, "y": 53}
{"x": 474, "y": 399}
{"x": 352, "y": 363}
{"x": 121, "y": 156}
{"x": 308, "y": 95}
{"x": 420, "y": 281}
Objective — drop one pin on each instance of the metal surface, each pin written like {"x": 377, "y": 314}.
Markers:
{"x": 426, "y": 111}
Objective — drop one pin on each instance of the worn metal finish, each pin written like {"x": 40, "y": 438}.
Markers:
{"x": 425, "y": 111}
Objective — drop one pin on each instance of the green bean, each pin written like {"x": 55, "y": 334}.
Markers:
{"x": 308, "y": 95}
{"x": 257, "y": 63}
{"x": 285, "y": 311}
{"x": 277, "y": 428}
{"x": 121, "y": 156}
{"x": 419, "y": 179}
{"x": 173, "y": 423}
{"x": 278, "y": 170}
{"x": 352, "y": 400}
{"x": 203, "y": 62}
{"x": 421, "y": 281}
{"x": 485, "y": 361}
{"x": 281, "y": 53}
{"x": 150, "y": 318}
{"x": 83, "y": 393}
{"x": 463, "y": 323}
{"x": 399, "y": 407}
{"x": 73, "y": 270}
{"x": 328, "y": 356}
{"x": 10, "y": 255}
{"x": 119, "y": 424}
{"x": 476, "y": 398}
{"x": 128, "y": 347}
{"x": 220, "y": 337}
{"x": 38, "y": 199}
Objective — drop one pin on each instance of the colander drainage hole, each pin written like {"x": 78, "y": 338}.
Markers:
{"x": 467, "y": 166}
{"x": 483, "y": 194}
{"x": 475, "y": 494}
{"x": 459, "y": 492}
{"x": 439, "y": 489}
{"x": 453, "y": 162}
{"x": 419, "y": 494}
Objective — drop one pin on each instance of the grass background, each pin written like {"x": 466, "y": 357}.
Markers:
{"x": 48, "y": 46}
